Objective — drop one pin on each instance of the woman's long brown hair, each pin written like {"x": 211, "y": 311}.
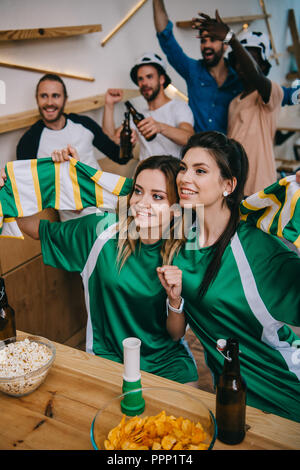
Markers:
{"x": 232, "y": 161}
{"x": 169, "y": 166}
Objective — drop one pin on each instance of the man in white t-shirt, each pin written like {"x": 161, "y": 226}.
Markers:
{"x": 170, "y": 119}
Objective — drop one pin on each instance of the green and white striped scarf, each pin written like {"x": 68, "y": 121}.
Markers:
{"x": 34, "y": 185}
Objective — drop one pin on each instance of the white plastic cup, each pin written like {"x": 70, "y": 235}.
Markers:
{"x": 131, "y": 358}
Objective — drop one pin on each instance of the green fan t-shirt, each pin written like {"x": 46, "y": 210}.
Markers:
{"x": 255, "y": 293}
{"x": 120, "y": 304}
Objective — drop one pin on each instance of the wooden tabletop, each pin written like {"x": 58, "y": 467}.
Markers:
{"x": 58, "y": 415}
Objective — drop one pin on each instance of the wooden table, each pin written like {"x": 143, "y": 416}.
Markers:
{"x": 58, "y": 415}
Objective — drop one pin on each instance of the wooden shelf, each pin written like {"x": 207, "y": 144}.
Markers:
{"x": 48, "y": 33}
{"x": 292, "y": 75}
{"x": 44, "y": 71}
{"x": 230, "y": 19}
{"x": 12, "y": 122}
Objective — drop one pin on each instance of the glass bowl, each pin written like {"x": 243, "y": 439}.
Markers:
{"x": 157, "y": 399}
{"x": 19, "y": 385}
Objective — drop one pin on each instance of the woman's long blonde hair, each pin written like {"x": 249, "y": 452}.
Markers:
{"x": 169, "y": 166}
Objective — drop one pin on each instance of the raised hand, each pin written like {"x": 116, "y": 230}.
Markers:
{"x": 113, "y": 96}
{"x": 171, "y": 279}
{"x": 214, "y": 26}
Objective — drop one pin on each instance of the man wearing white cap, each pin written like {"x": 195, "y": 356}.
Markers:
{"x": 253, "y": 114}
{"x": 170, "y": 119}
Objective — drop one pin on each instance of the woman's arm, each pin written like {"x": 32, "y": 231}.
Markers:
{"x": 30, "y": 226}
{"x": 171, "y": 279}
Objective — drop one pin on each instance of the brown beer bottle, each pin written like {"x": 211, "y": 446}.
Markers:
{"x": 137, "y": 117}
{"x": 125, "y": 140}
{"x": 231, "y": 395}
{"x": 7, "y": 316}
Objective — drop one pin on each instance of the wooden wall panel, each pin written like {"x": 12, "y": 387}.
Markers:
{"x": 47, "y": 301}
{"x": 14, "y": 252}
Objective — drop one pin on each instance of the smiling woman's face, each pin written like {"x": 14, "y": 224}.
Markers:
{"x": 149, "y": 202}
{"x": 199, "y": 179}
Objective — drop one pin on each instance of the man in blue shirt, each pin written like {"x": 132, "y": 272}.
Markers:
{"x": 211, "y": 82}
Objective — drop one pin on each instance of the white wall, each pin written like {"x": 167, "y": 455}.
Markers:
{"x": 109, "y": 65}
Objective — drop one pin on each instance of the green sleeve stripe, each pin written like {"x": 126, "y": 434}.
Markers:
{"x": 46, "y": 176}
{"x": 8, "y": 203}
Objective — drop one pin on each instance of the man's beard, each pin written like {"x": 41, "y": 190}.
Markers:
{"x": 54, "y": 119}
{"x": 215, "y": 58}
{"x": 153, "y": 95}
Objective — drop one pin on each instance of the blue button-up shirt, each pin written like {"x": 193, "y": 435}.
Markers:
{"x": 208, "y": 101}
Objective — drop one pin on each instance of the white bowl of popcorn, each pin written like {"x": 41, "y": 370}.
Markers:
{"x": 24, "y": 364}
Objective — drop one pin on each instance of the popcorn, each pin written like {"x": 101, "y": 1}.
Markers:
{"x": 20, "y": 358}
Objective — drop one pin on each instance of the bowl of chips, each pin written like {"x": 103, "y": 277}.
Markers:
{"x": 171, "y": 420}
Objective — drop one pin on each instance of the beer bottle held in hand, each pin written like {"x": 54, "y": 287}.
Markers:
{"x": 7, "y": 316}
{"x": 231, "y": 395}
{"x": 137, "y": 117}
{"x": 125, "y": 140}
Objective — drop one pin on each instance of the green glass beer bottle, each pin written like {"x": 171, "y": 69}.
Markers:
{"x": 231, "y": 395}
{"x": 7, "y": 317}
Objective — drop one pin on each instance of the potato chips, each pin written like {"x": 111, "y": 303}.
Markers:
{"x": 160, "y": 432}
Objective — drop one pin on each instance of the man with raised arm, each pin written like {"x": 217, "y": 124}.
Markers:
{"x": 170, "y": 119}
{"x": 211, "y": 82}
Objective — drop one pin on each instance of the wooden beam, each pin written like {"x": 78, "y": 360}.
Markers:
{"x": 48, "y": 33}
{"x": 127, "y": 17}
{"x": 230, "y": 19}
{"x": 12, "y": 122}
{"x": 263, "y": 7}
{"x": 295, "y": 37}
{"x": 44, "y": 71}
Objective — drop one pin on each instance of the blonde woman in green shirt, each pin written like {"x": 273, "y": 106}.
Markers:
{"x": 117, "y": 261}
